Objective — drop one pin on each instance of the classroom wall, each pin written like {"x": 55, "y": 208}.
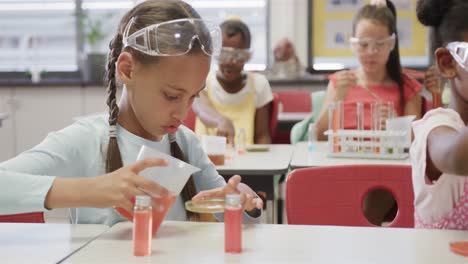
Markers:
{"x": 288, "y": 18}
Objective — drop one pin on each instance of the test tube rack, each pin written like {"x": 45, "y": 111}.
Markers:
{"x": 368, "y": 144}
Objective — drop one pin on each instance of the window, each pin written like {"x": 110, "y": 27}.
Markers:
{"x": 42, "y": 34}
{"x": 37, "y": 34}
{"x": 252, "y": 12}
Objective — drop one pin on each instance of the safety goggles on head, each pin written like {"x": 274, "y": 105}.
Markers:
{"x": 363, "y": 44}
{"x": 175, "y": 37}
{"x": 234, "y": 55}
{"x": 459, "y": 51}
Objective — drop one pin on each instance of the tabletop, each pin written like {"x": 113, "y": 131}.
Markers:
{"x": 43, "y": 243}
{"x": 188, "y": 242}
{"x": 274, "y": 161}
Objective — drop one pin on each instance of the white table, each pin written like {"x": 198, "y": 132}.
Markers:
{"x": 185, "y": 242}
{"x": 274, "y": 161}
{"x": 43, "y": 243}
{"x": 261, "y": 168}
{"x": 292, "y": 116}
{"x": 3, "y": 116}
{"x": 303, "y": 158}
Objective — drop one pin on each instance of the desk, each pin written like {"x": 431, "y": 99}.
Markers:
{"x": 3, "y": 116}
{"x": 186, "y": 242}
{"x": 260, "y": 168}
{"x": 274, "y": 161}
{"x": 303, "y": 158}
{"x": 292, "y": 116}
{"x": 43, "y": 243}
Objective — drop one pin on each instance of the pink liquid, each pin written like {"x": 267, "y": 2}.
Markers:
{"x": 142, "y": 233}
{"x": 232, "y": 230}
{"x": 436, "y": 100}
{"x": 161, "y": 206}
{"x": 335, "y": 126}
{"x": 217, "y": 159}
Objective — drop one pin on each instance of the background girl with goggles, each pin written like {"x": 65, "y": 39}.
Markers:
{"x": 235, "y": 100}
{"x": 378, "y": 78}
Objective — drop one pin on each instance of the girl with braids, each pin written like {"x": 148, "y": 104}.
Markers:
{"x": 161, "y": 54}
{"x": 378, "y": 78}
{"x": 439, "y": 151}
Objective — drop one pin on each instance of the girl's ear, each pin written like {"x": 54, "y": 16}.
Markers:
{"x": 125, "y": 66}
{"x": 445, "y": 63}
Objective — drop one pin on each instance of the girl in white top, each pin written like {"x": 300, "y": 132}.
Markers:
{"x": 91, "y": 164}
{"x": 439, "y": 152}
{"x": 234, "y": 99}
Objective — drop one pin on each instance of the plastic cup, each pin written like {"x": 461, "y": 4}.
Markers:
{"x": 215, "y": 148}
{"x": 173, "y": 177}
{"x": 402, "y": 123}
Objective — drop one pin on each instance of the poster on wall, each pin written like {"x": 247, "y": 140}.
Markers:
{"x": 405, "y": 33}
{"x": 338, "y": 32}
{"x": 331, "y": 23}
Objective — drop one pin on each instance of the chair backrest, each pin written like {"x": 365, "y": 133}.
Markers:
{"x": 37, "y": 217}
{"x": 274, "y": 114}
{"x": 334, "y": 195}
{"x": 189, "y": 121}
{"x": 295, "y": 100}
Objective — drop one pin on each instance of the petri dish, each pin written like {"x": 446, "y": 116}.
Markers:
{"x": 257, "y": 149}
{"x": 207, "y": 206}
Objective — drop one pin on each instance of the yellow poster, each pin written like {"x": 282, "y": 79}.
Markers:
{"x": 332, "y": 28}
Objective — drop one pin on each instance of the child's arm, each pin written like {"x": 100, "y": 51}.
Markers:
{"x": 112, "y": 189}
{"x": 447, "y": 151}
{"x": 208, "y": 180}
{"x": 249, "y": 199}
{"x": 337, "y": 90}
{"x": 211, "y": 118}
{"x": 434, "y": 84}
{"x": 414, "y": 106}
{"x": 262, "y": 125}
{"x": 29, "y": 182}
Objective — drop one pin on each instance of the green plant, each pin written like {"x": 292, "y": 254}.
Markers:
{"x": 92, "y": 28}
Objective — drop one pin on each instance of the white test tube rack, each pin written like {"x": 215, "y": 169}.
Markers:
{"x": 369, "y": 144}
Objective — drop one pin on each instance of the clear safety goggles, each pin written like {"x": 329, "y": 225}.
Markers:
{"x": 459, "y": 51}
{"x": 234, "y": 55}
{"x": 175, "y": 37}
{"x": 363, "y": 44}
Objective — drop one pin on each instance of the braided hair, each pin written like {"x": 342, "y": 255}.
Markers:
{"x": 146, "y": 13}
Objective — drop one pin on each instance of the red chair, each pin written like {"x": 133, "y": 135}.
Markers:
{"x": 23, "y": 218}
{"x": 274, "y": 114}
{"x": 295, "y": 100}
{"x": 334, "y": 195}
{"x": 291, "y": 101}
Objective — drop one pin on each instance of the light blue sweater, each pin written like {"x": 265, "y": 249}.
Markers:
{"x": 79, "y": 151}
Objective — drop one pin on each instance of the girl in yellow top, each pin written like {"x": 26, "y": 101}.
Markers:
{"x": 234, "y": 99}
